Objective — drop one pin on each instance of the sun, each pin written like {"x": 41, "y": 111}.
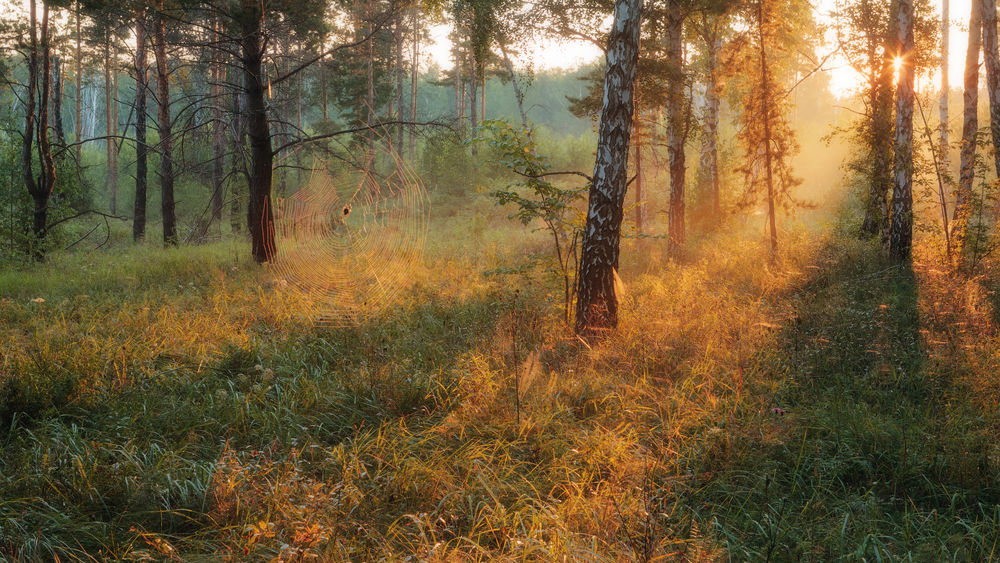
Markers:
{"x": 897, "y": 65}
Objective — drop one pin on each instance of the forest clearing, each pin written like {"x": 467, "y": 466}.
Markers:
{"x": 372, "y": 281}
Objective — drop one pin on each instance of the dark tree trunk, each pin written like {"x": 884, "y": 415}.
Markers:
{"x": 901, "y": 225}
{"x": 218, "y": 132}
{"x": 414, "y": 75}
{"x": 57, "y": 94}
{"x": 675, "y": 124}
{"x": 970, "y": 128}
{"x": 237, "y": 163}
{"x": 876, "y": 221}
{"x": 29, "y": 127}
{"x": 400, "y": 116}
{"x": 260, "y": 218}
{"x": 766, "y": 114}
{"x": 79, "y": 88}
{"x": 473, "y": 86}
{"x": 139, "y": 220}
{"x": 597, "y": 299}
{"x": 166, "y": 136}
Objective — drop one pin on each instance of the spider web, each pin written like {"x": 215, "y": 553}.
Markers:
{"x": 351, "y": 245}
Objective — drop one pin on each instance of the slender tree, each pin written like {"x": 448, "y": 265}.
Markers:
{"x": 597, "y": 297}
{"x": 901, "y": 219}
{"x": 141, "y": 149}
{"x": 970, "y": 128}
{"x": 163, "y": 124}
{"x": 676, "y": 123}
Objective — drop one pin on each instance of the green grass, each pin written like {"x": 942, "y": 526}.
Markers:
{"x": 179, "y": 403}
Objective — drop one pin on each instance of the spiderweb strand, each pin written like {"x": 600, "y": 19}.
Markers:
{"x": 349, "y": 246}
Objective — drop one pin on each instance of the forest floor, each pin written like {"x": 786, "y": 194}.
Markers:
{"x": 181, "y": 405}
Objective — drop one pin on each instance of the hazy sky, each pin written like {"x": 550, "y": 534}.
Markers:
{"x": 565, "y": 55}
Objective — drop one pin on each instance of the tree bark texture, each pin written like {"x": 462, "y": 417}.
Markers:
{"x": 901, "y": 221}
{"x": 597, "y": 299}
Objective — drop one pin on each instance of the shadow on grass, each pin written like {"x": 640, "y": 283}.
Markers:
{"x": 864, "y": 454}
{"x": 93, "y": 478}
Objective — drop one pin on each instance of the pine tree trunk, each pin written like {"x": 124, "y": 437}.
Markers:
{"x": 597, "y": 298}
{"x": 109, "y": 129}
{"x": 766, "y": 115}
{"x": 166, "y": 135}
{"x": 115, "y": 124}
{"x": 970, "y": 128}
{"x": 29, "y": 129}
{"x": 992, "y": 59}
{"x": 218, "y": 129}
{"x": 945, "y": 88}
{"x": 239, "y": 144}
{"x": 473, "y": 87}
{"x": 260, "y": 218}
{"x": 414, "y": 76}
{"x": 640, "y": 204}
{"x": 139, "y": 220}
{"x": 400, "y": 128}
{"x": 57, "y": 94}
{"x": 370, "y": 99}
{"x": 79, "y": 88}
{"x": 710, "y": 119}
{"x": 901, "y": 221}
{"x": 675, "y": 124}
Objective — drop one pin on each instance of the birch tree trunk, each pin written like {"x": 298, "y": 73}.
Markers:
{"x": 675, "y": 124}
{"x": 597, "y": 299}
{"x": 518, "y": 92}
{"x": 970, "y": 128}
{"x": 901, "y": 222}
{"x": 163, "y": 125}
{"x": 139, "y": 214}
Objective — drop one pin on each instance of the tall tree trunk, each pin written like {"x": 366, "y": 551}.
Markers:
{"x": 29, "y": 130}
{"x": 640, "y": 203}
{"x": 414, "y": 76}
{"x": 109, "y": 128}
{"x": 139, "y": 220}
{"x": 79, "y": 87}
{"x": 400, "y": 116}
{"x": 218, "y": 129}
{"x": 370, "y": 98}
{"x": 57, "y": 94}
{"x": 597, "y": 299}
{"x": 901, "y": 226}
{"x": 40, "y": 188}
{"x": 675, "y": 124}
{"x": 710, "y": 122}
{"x": 970, "y": 128}
{"x": 945, "y": 88}
{"x": 473, "y": 87}
{"x": 766, "y": 114}
{"x": 876, "y": 221}
{"x": 992, "y": 59}
{"x": 260, "y": 215}
{"x": 238, "y": 144}
{"x": 115, "y": 123}
{"x": 166, "y": 135}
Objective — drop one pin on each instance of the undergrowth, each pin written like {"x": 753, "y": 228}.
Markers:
{"x": 180, "y": 404}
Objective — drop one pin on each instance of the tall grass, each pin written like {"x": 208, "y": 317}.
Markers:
{"x": 178, "y": 403}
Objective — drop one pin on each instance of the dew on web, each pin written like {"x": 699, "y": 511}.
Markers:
{"x": 349, "y": 243}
